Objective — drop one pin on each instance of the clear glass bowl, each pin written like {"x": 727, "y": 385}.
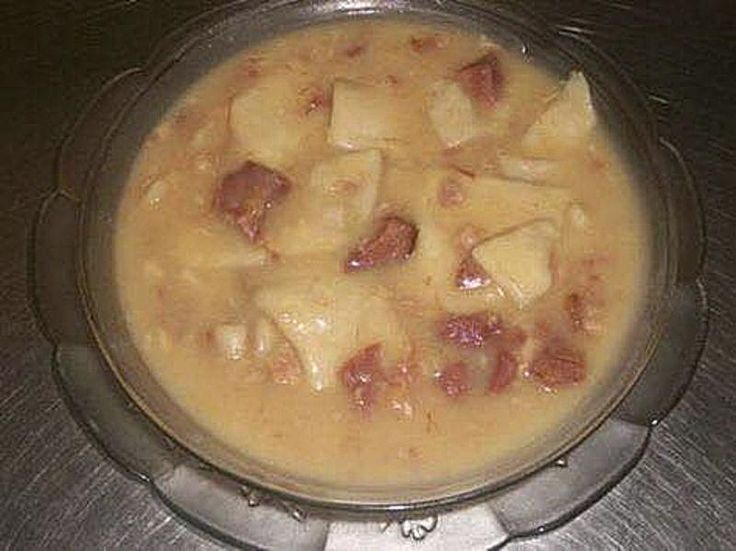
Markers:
{"x": 133, "y": 418}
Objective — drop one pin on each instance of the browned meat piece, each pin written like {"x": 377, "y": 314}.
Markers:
{"x": 471, "y": 275}
{"x": 362, "y": 375}
{"x": 470, "y": 330}
{"x": 511, "y": 338}
{"x": 245, "y": 195}
{"x": 450, "y": 193}
{"x": 355, "y": 50}
{"x": 575, "y": 309}
{"x": 317, "y": 100}
{"x": 483, "y": 80}
{"x": 394, "y": 241}
{"x": 558, "y": 364}
{"x": 453, "y": 380}
{"x": 583, "y": 312}
{"x": 424, "y": 44}
{"x": 507, "y": 366}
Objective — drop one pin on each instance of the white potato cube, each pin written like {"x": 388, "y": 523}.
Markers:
{"x": 351, "y": 179}
{"x": 566, "y": 122}
{"x": 519, "y": 260}
{"x": 452, "y": 114}
{"x": 204, "y": 248}
{"x": 212, "y": 134}
{"x": 339, "y": 198}
{"x": 529, "y": 169}
{"x": 364, "y": 116}
{"x": 330, "y": 319}
{"x": 268, "y": 120}
{"x": 230, "y": 340}
{"x": 515, "y": 202}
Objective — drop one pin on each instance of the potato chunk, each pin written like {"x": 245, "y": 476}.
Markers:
{"x": 452, "y": 114}
{"x": 209, "y": 249}
{"x": 515, "y": 202}
{"x": 568, "y": 119}
{"x": 335, "y": 204}
{"x": 364, "y": 116}
{"x": 329, "y": 319}
{"x": 268, "y": 120}
{"x": 519, "y": 260}
{"x": 530, "y": 170}
{"x": 350, "y": 179}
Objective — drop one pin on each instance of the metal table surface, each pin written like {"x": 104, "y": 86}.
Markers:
{"x": 57, "y": 491}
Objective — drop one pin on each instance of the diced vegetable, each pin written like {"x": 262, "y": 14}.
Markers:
{"x": 329, "y": 319}
{"x": 156, "y": 191}
{"x": 519, "y": 260}
{"x": 203, "y": 248}
{"x": 452, "y": 114}
{"x": 337, "y": 202}
{"x": 529, "y": 169}
{"x": 265, "y": 337}
{"x": 269, "y": 122}
{"x": 575, "y": 216}
{"x": 350, "y": 179}
{"x": 231, "y": 340}
{"x": 212, "y": 134}
{"x": 515, "y": 202}
{"x": 568, "y": 119}
{"x": 364, "y": 116}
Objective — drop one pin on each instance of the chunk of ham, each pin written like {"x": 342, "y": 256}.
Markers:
{"x": 394, "y": 241}
{"x": 425, "y": 44}
{"x": 471, "y": 275}
{"x": 556, "y": 364}
{"x": 451, "y": 192}
{"x": 453, "y": 380}
{"x": 504, "y": 372}
{"x": 583, "y": 309}
{"x": 483, "y": 80}
{"x": 469, "y": 330}
{"x": 499, "y": 341}
{"x": 245, "y": 195}
{"x": 362, "y": 376}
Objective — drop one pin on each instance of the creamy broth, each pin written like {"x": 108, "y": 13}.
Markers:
{"x": 443, "y": 255}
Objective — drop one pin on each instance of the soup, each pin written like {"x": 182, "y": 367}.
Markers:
{"x": 380, "y": 252}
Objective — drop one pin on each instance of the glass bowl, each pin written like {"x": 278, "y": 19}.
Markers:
{"x": 247, "y": 501}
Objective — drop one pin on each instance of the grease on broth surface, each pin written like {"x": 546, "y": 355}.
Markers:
{"x": 380, "y": 252}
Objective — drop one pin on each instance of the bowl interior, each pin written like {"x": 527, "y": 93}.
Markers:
{"x": 213, "y": 39}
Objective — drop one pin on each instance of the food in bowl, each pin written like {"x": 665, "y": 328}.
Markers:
{"x": 380, "y": 252}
